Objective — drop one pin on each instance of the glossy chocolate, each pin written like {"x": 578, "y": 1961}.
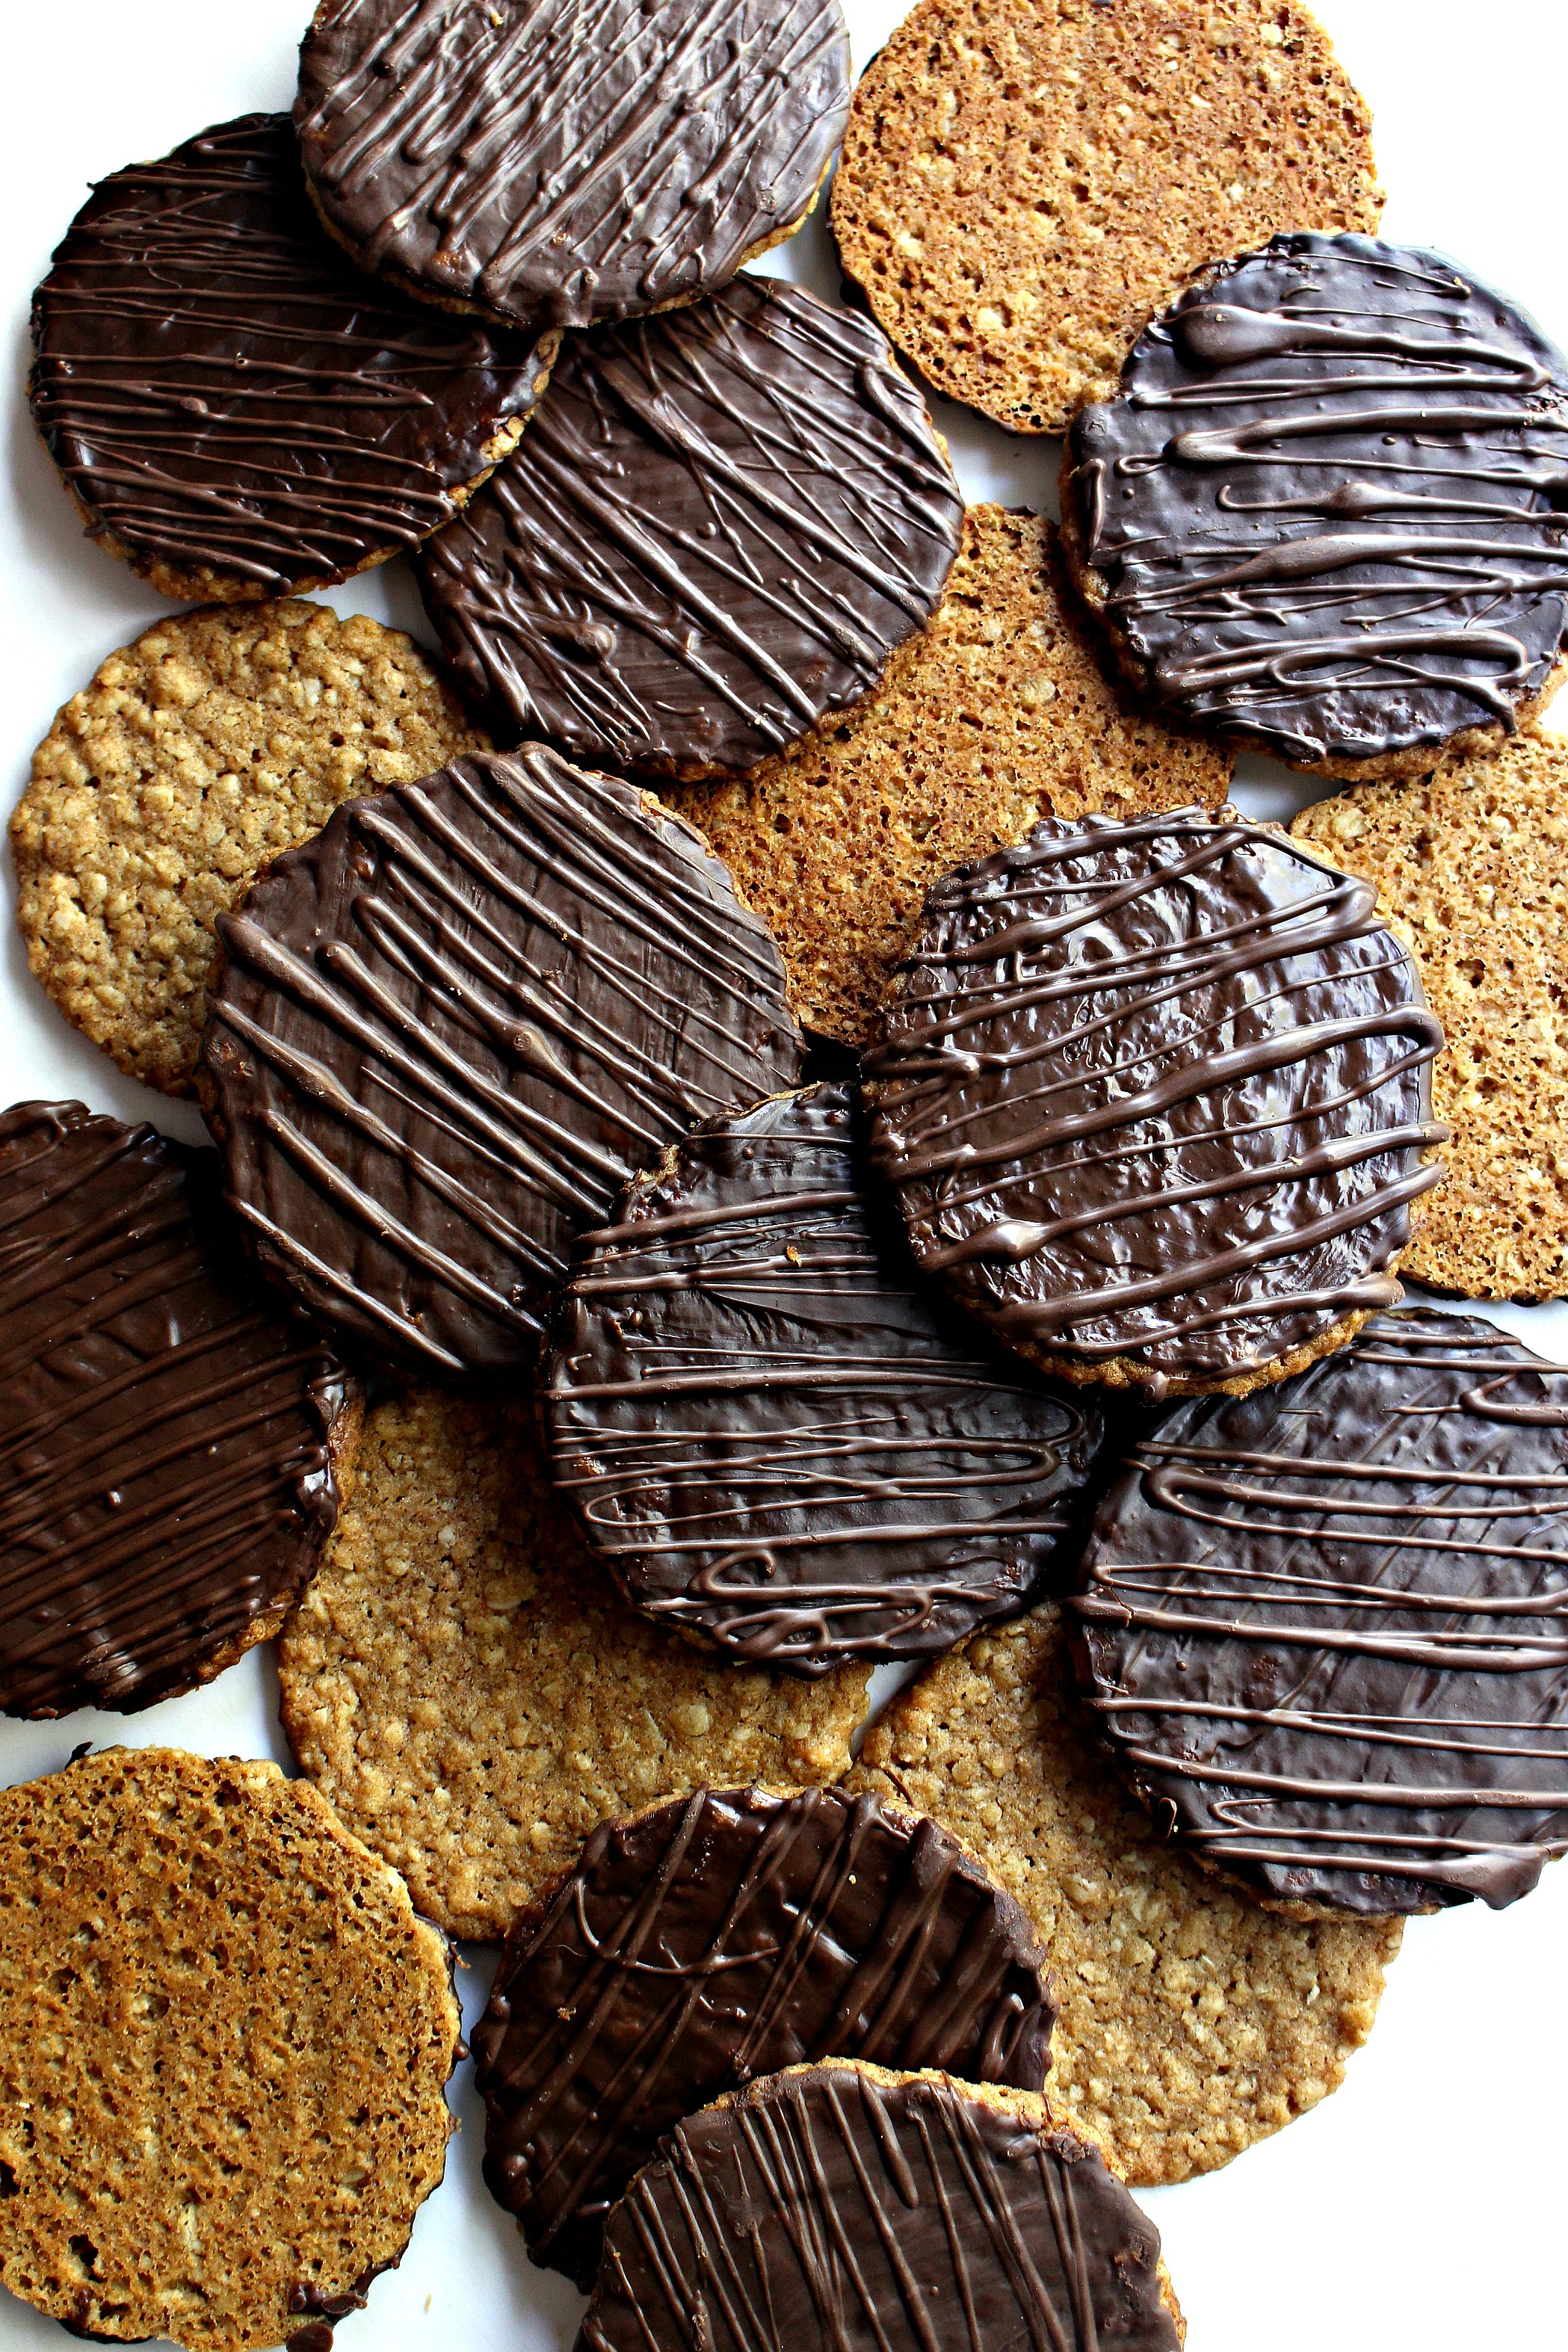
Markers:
{"x": 448, "y": 1029}
{"x": 557, "y": 163}
{"x": 714, "y": 532}
{"x": 1328, "y": 505}
{"x": 227, "y": 395}
{"x": 1327, "y": 1625}
{"x": 768, "y": 1431}
{"x": 1157, "y": 1092}
{"x": 165, "y": 1438}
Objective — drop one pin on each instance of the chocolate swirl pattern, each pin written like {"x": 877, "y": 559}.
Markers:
{"x": 1156, "y": 1098}
{"x": 1328, "y": 508}
{"x": 1327, "y": 1626}
{"x": 720, "y": 1938}
{"x": 239, "y": 410}
{"x": 449, "y": 1030}
{"x": 167, "y": 1446}
{"x": 715, "y": 532}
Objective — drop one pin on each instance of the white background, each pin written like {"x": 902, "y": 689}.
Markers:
{"x": 1421, "y": 2208}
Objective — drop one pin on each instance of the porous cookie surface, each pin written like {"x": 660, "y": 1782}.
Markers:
{"x": 474, "y": 1697}
{"x": 546, "y": 162}
{"x": 228, "y": 2039}
{"x": 196, "y": 754}
{"x": 1022, "y": 185}
{"x": 1472, "y": 863}
{"x": 771, "y": 1435}
{"x": 720, "y": 1937}
{"x": 1156, "y": 1099}
{"x": 237, "y": 411}
{"x": 1325, "y": 511}
{"x": 169, "y": 1444}
{"x": 1191, "y": 2021}
{"x": 447, "y": 1030}
{"x": 1001, "y": 712}
{"x": 715, "y": 532}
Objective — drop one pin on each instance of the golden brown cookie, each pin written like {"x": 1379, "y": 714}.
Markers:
{"x": 1192, "y": 2020}
{"x": 1024, "y": 183}
{"x": 1004, "y": 711}
{"x": 227, "y": 2044}
{"x": 471, "y": 1692}
{"x": 197, "y": 754}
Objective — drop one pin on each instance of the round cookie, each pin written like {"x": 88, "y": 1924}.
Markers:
{"x": 719, "y": 527}
{"x": 474, "y": 1697}
{"x": 1024, "y": 183}
{"x": 1326, "y": 512}
{"x": 720, "y": 1938}
{"x": 197, "y": 755}
{"x": 229, "y": 2040}
{"x": 1155, "y": 1096}
{"x": 1472, "y": 863}
{"x": 1191, "y": 2021}
{"x": 1003, "y": 711}
{"x": 170, "y": 1446}
{"x": 545, "y": 164}
{"x": 236, "y": 411}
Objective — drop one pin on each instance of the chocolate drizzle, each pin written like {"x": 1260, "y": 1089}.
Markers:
{"x": 1157, "y": 1092}
{"x": 719, "y": 1937}
{"x": 767, "y": 1430}
{"x": 165, "y": 1444}
{"x": 1329, "y": 506}
{"x": 565, "y": 162}
{"x": 229, "y": 397}
{"x": 449, "y": 1028}
{"x": 715, "y": 532}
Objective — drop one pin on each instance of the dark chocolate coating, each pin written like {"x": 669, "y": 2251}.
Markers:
{"x": 449, "y": 1030}
{"x": 1326, "y": 1626}
{"x": 719, "y": 1937}
{"x": 558, "y": 163}
{"x": 829, "y": 2211}
{"x": 1327, "y": 505}
{"x": 225, "y": 393}
{"x": 767, "y": 1429}
{"x": 714, "y": 532}
{"x": 1157, "y": 1091}
{"x": 166, "y": 1455}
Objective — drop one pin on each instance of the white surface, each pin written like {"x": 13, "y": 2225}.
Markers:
{"x": 1420, "y": 2208}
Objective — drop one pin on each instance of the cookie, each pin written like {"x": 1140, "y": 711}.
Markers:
{"x": 229, "y": 2039}
{"x": 195, "y": 755}
{"x": 544, "y": 165}
{"x": 170, "y": 1447}
{"x": 768, "y": 1433}
{"x": 447, "y": 1031}
{"x": 1326, "y": 512}
{"x": 1156, "y": 1099}
{"x": 720, "y": 526}
{"x": 474, "y": 1697}
{"x": 1191, "y": 2021}
{"x": 1472, "y": 863}
{"x": 716, "y": 1938}
{"x": 1001, "y": 712}
{"x": 236, "y": 411}
{"x": 843, "y": 2207}
{"x": 1026, "y": 181}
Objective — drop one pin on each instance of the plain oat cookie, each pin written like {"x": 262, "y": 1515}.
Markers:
{"x": 217, "y": 740}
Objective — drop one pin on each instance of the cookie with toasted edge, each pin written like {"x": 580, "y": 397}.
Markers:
{"x": 197, "y": 755}
{"x": 1192, "y": 2020}
{"x": 1004, "y": 710}
{"x": 1024, "y": 185}
{"x": 227, "y": 2041}
{"x": 1471, "y": 864}
{"x": 472, "y": 1695}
